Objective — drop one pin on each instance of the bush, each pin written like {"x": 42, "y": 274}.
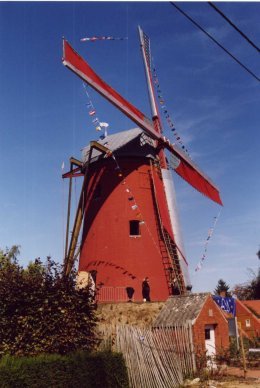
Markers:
{"x": 41, "y": 311}
{"x": 78, "y": 370}
{"x": 230, "y": 356}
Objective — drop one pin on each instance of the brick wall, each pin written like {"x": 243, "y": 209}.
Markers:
{"x": 244, "y": 314}
{"x": 211, "y": 314}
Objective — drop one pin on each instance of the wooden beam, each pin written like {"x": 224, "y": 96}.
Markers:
{"x": 69, "y": 259}
{"x": 68, "y": 215}
{"x": 70, "y": 255}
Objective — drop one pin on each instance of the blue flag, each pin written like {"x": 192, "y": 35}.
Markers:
{"x": 226, "y": 304}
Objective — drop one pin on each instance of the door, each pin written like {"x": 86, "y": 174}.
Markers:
{"x": 210, "y": 340}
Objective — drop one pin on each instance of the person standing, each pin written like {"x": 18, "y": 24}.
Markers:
{"x": 146, "y": 290}
{"x": 130, "y": 293}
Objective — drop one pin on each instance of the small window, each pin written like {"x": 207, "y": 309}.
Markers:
{"x": 134, "y": 226}
{"x": 248, "y": 323}
{"x": 207, "y": 334}
{"x": 210, "y": 313}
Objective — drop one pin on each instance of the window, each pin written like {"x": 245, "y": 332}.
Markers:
{"x": 210, "y": 313}
{"x": 134, "y": 227}
{"x": 248, "y": 323}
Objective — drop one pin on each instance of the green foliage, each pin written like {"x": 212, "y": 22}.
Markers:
{"x": 230, "y": 356}
{"x": 40, "y": 311}
{"x": 222, "y": 286}
{"x": 249, "y": 290}
{"x": 78, "y": 370}
{"x": 233, "y": 356}
{"x": 8, "y": 258}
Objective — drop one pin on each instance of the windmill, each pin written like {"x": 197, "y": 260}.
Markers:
{"x": 127, "y": 207}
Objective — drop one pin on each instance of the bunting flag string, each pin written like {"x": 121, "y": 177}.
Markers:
{"x": 166, "y": 113}
{"x": 95, "y": 38}
{"x": 92, "y": 113}
{"x": 210, "y": 234}
{"x": 131, "y": 199}
{"x": 130, "y": 196}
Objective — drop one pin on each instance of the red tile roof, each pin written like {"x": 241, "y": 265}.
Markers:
{"x": 252, "y": 305}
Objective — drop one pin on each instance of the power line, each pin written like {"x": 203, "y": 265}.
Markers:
{"x": 215, "y": 41}
{"x": 233, "y": 25}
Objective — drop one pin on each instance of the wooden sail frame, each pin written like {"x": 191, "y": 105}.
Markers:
{"x": 185, "y": 167}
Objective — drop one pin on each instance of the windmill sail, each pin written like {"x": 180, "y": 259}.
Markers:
{"x": 146, "y": 51}
{"x": 79, "y": 66}
{"x": 167, "y": 203}
{"x": 185, "y": 166}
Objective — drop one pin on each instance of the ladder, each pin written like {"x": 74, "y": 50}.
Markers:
{"x": 168, "y": 248}
{"x": 173, "y": 251}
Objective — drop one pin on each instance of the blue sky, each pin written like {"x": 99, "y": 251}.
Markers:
{"x": 213, "y": 102}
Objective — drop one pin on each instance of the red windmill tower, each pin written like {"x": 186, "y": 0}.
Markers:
{"x": 127, "y": 208}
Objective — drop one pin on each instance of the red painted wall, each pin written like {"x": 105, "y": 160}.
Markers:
{"x": 119, "y": 259}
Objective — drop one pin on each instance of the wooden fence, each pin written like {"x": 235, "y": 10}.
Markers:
{"x": 154, "y": 357}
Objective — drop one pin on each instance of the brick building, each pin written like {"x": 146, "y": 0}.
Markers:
{"x": 209, "y": 325}
{"x": 250, "y": 324}
{"x": 254, "y": 306}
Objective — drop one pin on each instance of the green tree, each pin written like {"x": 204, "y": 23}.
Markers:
{"x": 40, "y": 311}
{"x": 8, "y": 257}
{"x": 249, "y": 290}
{"x": 222, "y": 286}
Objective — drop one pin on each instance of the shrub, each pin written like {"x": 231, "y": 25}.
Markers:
{"x": 78, "y": 370}
{"x": 41, "y": 311}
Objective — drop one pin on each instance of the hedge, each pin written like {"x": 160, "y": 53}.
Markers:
{"x": 78, "y": 370}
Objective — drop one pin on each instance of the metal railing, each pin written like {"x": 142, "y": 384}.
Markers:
{"x": 112, "y": 294}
